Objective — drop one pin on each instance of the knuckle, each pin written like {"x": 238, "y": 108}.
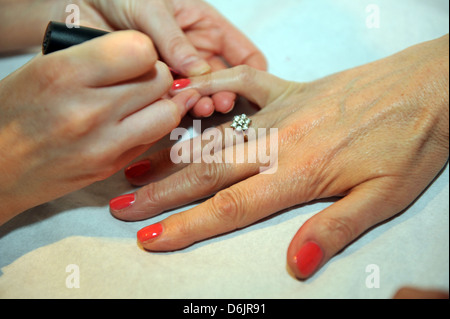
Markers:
{"x": 208, "y": 174}
{"x": 226, "y": 206}
{"x": 95, "y": 166}
{"x": 47, "y": 73}
{"x": 208, "y": 81}
{"x": 75, "y": 124}
{"x": 97, "y": 157}
{"x": 250, "y": 79}
{"x": 184, "y": 228}
{"x": 340, "y": 231}
{"x": 176, "y": 44}
{"x": 142, "y": 47}
{"x": 152, "y": 198}
{"x": 106, "y": 169}
{"x": 245, "y": 73}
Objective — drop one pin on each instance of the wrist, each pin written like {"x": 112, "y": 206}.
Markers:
{"x": 23, "y": 23}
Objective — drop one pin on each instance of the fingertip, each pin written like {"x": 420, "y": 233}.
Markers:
{"x": 186, "y": 101}
{"x": 147, "y": 235}
{"x": 161, "y": 237}
{"x": 306, "y": 253}
{"x": 138, "y": 173}
{"x": 204, "y": 108}
{"x": 173, "y": 44}
{"x": 224, "y": 102}
{"x": 328, "y": 232}
{"x": 195, "y": 66}
{"x": 179, "y": 84}
{"x": 306, "y": 260}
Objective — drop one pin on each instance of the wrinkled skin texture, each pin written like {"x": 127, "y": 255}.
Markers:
{"x": 65, "y": 130}
{"x": 191, "y": 36}
{"x": 76, "y": 116}
{"x": 376, "y": 136}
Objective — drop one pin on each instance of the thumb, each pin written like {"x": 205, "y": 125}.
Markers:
{"x": 175, "y": 48}
{"x": 115, "y": 58}
{"x": 328, "y": 232}
{"x": 155, "y": 19}
{"x": 257, "y": 86}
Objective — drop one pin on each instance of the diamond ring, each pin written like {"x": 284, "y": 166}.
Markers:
{"x": 241, "y": 123}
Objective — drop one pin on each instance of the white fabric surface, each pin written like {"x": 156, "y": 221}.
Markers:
{"x": 303, "y": 41}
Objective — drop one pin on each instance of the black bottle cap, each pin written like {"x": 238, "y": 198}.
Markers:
{"x": 59, "y": 37}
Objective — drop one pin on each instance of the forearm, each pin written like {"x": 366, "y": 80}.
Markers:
{"x": 23, "y": 22}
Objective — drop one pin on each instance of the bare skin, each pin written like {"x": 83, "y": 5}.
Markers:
{"x": 77, "y": 116}
{"x": 190, "y": 35}
{"x": 415, "y": 293}
{"x": 375, "y": 135}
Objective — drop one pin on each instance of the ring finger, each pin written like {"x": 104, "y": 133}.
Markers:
{"x": 212, "y": 173}
{"x": 162, "y": 164}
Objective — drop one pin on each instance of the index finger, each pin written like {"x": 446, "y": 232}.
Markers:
{"x": 114, "y": 58}
{"x": 236, "y": 207}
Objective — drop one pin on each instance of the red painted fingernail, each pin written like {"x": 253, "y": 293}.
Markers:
{"x": 308, "y": 258}
{"x": 149, "y": 233}
{"x": 174, "y": 72}
{"x": 137, "y": 169}
{"x": 180, "y": 84}
{"x": 122, "y": 202}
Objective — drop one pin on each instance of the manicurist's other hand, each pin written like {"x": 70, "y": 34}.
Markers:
{"x": 191, "y": 36}
{"x": 100, "y": 103}
{"x": 375, "y": 136}
{"x": 77, "y": 116}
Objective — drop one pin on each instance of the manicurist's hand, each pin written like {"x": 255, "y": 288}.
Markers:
{"x": 375, "y": 136}
{"x": 77, "y": 116}
{"x": 191, "y": 36}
